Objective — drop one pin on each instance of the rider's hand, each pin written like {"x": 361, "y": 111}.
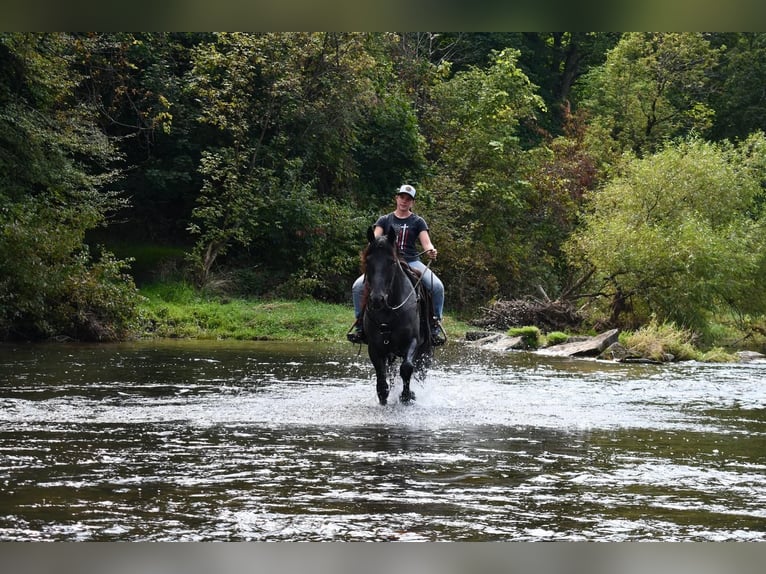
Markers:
{"x": 432, "y": 253}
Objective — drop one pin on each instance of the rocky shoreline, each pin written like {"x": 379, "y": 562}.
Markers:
{"x": 604, "y": 346}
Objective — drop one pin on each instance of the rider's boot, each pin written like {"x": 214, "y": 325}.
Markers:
{"x": 438, "y": 334}
{"x": 356, "y": 333}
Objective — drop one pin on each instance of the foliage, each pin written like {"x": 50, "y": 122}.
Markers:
{"x": 481, "y": 221}
{"x": 98, "y": 301}
{"x": 389, "y": 149}
{"x": 738, "y": 100}
{"x": 661, "y": 342}
{"x": 718, "y": 355}
{"x": 565, "y": 172}
{"x": 180, "y": 310}
{"x": 531, "y": 335}
{"x": 556, "y": 61}
{"x": 556, "y": 338}
{"x": 136, "y": 83}
{"x": 653, "y": 86}
{"x": 54, "y": 168}
{"x": 321, "y": 254}
{"x": 278, "y": 149}
{"x": 679, "y": 234}
{"x": 291, "y": 109}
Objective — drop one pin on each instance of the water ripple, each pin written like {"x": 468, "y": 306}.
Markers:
{"x": 182, "y": 442}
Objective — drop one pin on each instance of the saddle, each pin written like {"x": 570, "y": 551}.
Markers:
{"x": 425, "y": 305}
{"x": 425, "y": 302}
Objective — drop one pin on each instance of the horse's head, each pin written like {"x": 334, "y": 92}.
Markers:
{"x": 380, "y": 262}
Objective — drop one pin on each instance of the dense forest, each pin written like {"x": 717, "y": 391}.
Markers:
{"x": 623, "y": 173}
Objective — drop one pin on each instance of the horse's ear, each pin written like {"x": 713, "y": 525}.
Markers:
{"x": 392, "y": 235}
{"x": 370, "y": 234}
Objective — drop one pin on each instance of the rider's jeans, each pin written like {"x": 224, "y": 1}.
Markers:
{"x": 430, "y": 280}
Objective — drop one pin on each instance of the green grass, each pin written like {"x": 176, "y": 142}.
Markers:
{"x": 659, "y": 341}
{"x": 531, "y": 335}
{"x": 178, "y": 310}
{"x": 555, "y": 338}
{"x": 666, "y": 341}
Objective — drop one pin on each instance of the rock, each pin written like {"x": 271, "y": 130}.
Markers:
{"x": 500, "y": 342}
{"x": 587, "y": 346}
{"x": 750, "y": 356}
{"x": 477, "y": 335}
{"x": 591, "y": 347}
{"x": 603, "y": 346}
{"x": 616, "y": 352}
{"x": 641, "y": 361}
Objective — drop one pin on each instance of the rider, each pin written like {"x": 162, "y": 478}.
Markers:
{"x": 409, "y": 228}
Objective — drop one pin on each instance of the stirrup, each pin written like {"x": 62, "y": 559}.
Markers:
{"x": 356, "y": 334}
{"x": 437, "y": 330}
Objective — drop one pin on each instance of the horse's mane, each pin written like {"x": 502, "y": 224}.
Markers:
{"x": 363, "y": 255}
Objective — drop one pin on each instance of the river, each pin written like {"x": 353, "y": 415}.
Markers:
{"x": 256, "y": 441}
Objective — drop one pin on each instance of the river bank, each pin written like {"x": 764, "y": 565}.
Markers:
{"x": 179, "y": 311}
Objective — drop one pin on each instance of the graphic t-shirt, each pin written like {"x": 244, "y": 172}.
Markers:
{"x": 407, "y": 231}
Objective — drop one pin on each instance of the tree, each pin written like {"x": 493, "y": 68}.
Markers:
{"x": 679, "y": 234}
{"x": 739, "y": 100}
{"x": 55, "y": 169}
{"x": 136, "y": 83}
{"x": 291, "y": 112}
{"x": 555, "y": 61}
{"x": 389, "y": 149}
{"x": 480, "y": 219}
{"x": 653, "y": 86}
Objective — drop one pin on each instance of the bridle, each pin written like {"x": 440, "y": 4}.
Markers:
{"x": 398, "y": 263}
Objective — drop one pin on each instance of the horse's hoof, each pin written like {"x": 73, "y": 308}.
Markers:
{"x": 407, "y": 398}
{"x": 383, "y": 389}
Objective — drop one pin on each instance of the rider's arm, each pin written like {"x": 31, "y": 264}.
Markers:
{"x": 425, "y": 242}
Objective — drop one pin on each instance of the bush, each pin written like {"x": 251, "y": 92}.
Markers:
{"x": 661, "y": 342}
{"x": 679, "y": 234}
{"x": 530, "y": 335}
{"x": 82, "y": 299}
{"x": 556, "y": 338}
{"x": 100, "y": 301}
{"x": 718, "y": 355}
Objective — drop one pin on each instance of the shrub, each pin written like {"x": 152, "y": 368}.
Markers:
{"x": 662, "y": 342}
{"x": 530, "y": 335}
{"x": 99, "y": 301}
{"x": 556, "y": 338}
{"x": 718, "y": 355}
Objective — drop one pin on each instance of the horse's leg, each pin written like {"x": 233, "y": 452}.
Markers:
{"x": 379, "y": 362}
{"x": 406, "y": 370}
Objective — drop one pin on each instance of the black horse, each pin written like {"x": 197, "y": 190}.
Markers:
{"x": 396, "y": 315}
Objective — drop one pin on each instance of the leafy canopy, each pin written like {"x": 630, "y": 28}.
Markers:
{"x": 680, "y": 233}
{"x": 55, "y": 167}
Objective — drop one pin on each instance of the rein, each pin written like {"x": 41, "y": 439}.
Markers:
{"x": 398, "y": 263}
{"x": 415, "y": 288}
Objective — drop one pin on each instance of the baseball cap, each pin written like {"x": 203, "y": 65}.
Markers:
{"x": 408, "y": 189}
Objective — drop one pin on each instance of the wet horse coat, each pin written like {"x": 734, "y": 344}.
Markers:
{"x": 395, "y": 317}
